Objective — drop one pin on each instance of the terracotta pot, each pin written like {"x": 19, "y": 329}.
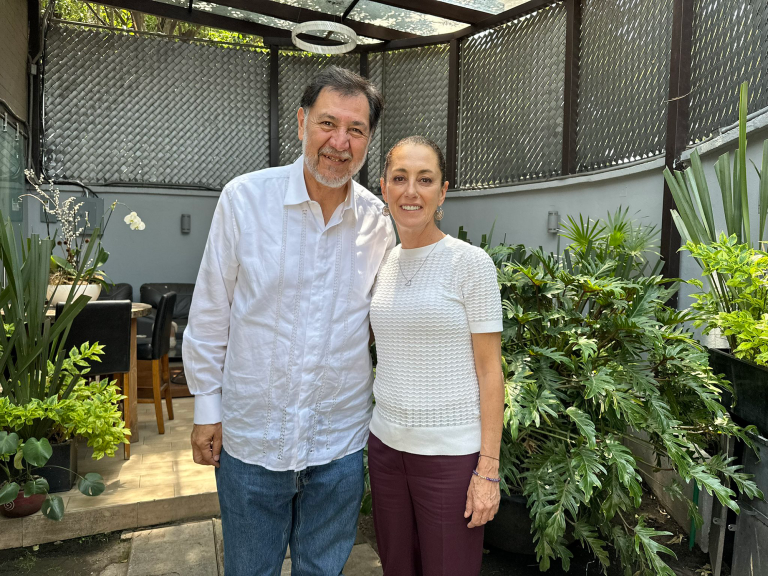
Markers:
{"x": 23, "y": 506}
{"x": 59, "y": 292}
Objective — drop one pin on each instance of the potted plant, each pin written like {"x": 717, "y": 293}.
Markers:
{"x": 42, "y": 389}
{"x": 22, "y": 492}
{"x": 592, "y": 352}
{"x": 731, "y": 263}
{"x": 70, "y": 271}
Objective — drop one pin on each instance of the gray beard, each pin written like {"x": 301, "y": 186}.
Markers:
{"x": 312, "y": 166}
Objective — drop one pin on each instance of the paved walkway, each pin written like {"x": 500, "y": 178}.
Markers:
{"x": 196, "y": 549}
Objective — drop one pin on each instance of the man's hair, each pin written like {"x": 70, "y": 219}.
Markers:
{"x": 348, "y": 84}
{"x": 417, "y": 141}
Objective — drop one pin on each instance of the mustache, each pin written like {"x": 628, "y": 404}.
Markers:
{"x": 328, "y": 151}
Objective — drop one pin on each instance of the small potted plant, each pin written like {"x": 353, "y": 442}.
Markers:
{"x": 69, "y": 271}
{"x": 23, "y": 492}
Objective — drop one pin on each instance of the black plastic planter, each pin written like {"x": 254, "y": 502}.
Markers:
{"x": 750, "y": 384}
{"x": 510, "y": 529}
{"x": 61, "y": 468}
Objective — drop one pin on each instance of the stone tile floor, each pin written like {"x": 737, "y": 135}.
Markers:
{"x": 159, "y": 484}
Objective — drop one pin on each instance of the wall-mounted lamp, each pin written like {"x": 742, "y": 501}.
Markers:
{"x": 186, "y": 222}
{"x": 553, "y": 222}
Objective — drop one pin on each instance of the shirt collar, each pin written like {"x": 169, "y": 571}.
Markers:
{"x": 297, "y": 188}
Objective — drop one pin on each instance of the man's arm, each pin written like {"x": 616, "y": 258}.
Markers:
{"x": 207, "y": 334}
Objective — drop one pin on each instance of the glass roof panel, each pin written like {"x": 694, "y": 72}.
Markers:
{"x": 403, "y": 20}
{"x": 490, "y": 6}
{"x": 257, "y": 18}
{"x": 332, "y": 7}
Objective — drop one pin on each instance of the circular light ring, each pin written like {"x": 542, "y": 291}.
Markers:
{"x": 324, "y": 26}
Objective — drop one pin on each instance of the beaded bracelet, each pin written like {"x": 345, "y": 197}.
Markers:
{"x": 475, "y": 472}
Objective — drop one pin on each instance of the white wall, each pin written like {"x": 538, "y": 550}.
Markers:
{"x": 160, "y": 252}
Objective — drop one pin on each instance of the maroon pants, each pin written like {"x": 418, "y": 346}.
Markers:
{"x": 418, "y": 513}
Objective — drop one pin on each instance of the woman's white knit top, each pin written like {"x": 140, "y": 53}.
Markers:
{"x": 426, "y": 388}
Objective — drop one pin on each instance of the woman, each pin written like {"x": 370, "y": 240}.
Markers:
{"x": 433, "y": 453}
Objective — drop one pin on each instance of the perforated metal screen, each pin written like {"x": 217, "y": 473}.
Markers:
{"x": 624, "y": 81}
{"x": 414, "y": 83}
{"x": 122, "y": 108}
{"x": 511, "y": 101}
{"x": 730, "y": 46}
{"x": 296, "y": 70}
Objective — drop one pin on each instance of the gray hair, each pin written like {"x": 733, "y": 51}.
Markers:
{"x": 346, "y": 83}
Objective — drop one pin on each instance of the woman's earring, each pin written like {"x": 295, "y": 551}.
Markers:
{"x": 439, "y": 213}
{"x": 385, "y": 210}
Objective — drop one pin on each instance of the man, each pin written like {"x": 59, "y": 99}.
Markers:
{"x": 276, "y": 350}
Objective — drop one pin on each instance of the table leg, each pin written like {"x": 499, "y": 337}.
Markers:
{"x": 130, "y": 380}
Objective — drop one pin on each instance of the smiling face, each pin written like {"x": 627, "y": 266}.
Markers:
{"x": 335, "y": 135}
{"x": 413, "y": 189}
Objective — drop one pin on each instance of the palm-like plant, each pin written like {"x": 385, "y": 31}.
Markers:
{"x": 694, "y": 217}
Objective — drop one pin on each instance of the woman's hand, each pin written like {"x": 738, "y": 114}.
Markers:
{"x": 483, "y": 497}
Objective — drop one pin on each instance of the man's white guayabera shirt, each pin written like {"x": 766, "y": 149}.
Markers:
{"x": 277, "y": 343}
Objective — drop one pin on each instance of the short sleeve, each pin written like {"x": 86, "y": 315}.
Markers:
{"x": 480, "y": 290}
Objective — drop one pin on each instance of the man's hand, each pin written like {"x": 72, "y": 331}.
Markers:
{"x": 206, "y": 444}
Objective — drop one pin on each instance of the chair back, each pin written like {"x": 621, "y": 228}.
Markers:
{"x": 161, "y": 331}
{"x": 107, "y": 322}
{"x": 121, "y": 291}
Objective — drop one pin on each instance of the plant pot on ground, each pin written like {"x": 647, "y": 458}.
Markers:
{"x": 61, "y": 469}
{"x": 510, "y": 529}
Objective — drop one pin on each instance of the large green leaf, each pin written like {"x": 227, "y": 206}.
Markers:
{"x": 36, "y": 486}
{"x": 8, "y": 443}
{"x": 53, "y": 507}
{"x": 37, "y": 452}
{"x": 91, "y": 484}
{"x": 584, "y": 424}
{"x": 8, "y": 492}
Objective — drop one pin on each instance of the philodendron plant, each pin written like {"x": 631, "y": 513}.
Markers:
{"x": 593, "y": 359}
{"x": 19, "y": 459}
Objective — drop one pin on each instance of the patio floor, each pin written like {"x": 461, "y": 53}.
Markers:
{"x": 159, "y": 484}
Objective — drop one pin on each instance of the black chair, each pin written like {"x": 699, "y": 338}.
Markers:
{"x": 156, "y": 352}
{"x": 109, "y": 324}
{"x": 120, "y": 291}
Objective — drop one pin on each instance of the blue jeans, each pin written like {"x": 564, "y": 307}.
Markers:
{"x": 315, "y": 510}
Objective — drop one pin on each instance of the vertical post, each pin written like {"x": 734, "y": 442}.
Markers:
{"x": 364, "y": 74}
{"x": 452, "y": 141}
{"x": 677, "y": 127}
{"x": 274, "y": 110}
{"x": 34, "y": 115}
{"x": 571, "y": 86}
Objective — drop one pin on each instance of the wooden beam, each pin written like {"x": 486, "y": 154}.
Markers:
{"x": 364, "y": 74}
{"x": 571, "y": 87}
{"x": 677, "y": 127}
{"x": 198, "y": 17}
{"x": 487, "y": 24}
{"x": 452, "y": 140}
{"x": 440, "y": 9}
{"x": 274, "y": 107}
{"x": 296, "y": 14}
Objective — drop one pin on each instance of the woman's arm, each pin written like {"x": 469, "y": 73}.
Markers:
{"x": 483, "y": 496}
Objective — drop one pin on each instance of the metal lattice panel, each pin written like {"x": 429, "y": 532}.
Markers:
{"x": 511, "y": 101}
{"x": 135, "y": 109}
{"x": 623, "y": 81}
{"x": 730, "y": 46}
{"x": 295, "y": 71}
{"x": 415, "y": 88}
{"x": 12, "y": 149}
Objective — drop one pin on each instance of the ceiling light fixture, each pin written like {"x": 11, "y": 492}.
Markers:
{"x": 324, "y": 26}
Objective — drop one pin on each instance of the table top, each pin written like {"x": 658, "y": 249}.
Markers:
{"x": 137, "y": 310}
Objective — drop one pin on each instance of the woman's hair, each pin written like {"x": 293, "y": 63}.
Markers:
{"x": 419, "y": 141}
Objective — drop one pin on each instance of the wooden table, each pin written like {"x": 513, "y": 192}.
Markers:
{"x": 129, "y": 381}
